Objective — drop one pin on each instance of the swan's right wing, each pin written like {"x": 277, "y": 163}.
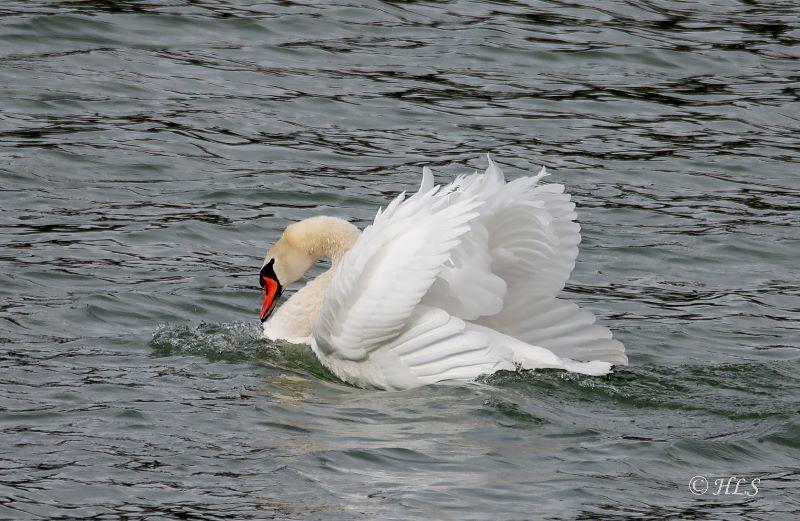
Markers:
{"x": 533, "y": 234}
{"x": 384, "y": 276}
{"x": 534, "y": 244}
{"x": 527, "y": 237}
{"x": 557, "y": 325}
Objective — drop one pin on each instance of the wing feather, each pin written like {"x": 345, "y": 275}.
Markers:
{"x": 437, "y": 346}
{"x": 388, "y": 271}
{"x": 412, "y": 300}
{"x": 525, "y": 235}
{"x": 559, "y": 326}
{"x": 532, "y": 241}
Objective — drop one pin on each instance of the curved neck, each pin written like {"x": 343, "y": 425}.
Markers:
{"x": 312, "y": 239}
{"x": 326, "y": 237}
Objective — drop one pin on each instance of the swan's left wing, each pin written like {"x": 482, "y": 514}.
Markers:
{"x": 384, "y": 276}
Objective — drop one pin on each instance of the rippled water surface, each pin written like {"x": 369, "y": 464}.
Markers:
{"x": 152, "y": 150}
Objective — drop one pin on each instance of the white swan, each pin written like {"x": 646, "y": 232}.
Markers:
{"x": 448, "y": 284}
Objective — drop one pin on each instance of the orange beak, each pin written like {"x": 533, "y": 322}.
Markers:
{"x": 272, "y": 290}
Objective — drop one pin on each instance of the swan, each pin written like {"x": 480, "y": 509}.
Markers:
{"x": 450, "y": 283}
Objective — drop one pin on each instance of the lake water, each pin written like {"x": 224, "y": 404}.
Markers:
{"x": 151, "y": 151}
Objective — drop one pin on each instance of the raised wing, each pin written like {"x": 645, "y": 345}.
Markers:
{"x": 525, "y": 236}
{"x": 557, "y": 325}
{"x": 387, "y": 272}
{"x": 516, "y": 260}
{"x": 533, "y": 234}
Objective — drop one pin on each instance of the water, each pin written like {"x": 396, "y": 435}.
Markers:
{"x": 152, "y": 150}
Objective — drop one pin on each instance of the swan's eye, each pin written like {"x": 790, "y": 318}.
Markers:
{"x": 267, "y": 272}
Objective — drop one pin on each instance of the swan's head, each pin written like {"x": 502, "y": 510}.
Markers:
{"x": 286, "y": 262}
{"x": 300, "y": 245}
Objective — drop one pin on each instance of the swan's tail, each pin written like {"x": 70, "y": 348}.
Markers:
{"x": 530, "y": 356}
{"x": 594, "y": 368}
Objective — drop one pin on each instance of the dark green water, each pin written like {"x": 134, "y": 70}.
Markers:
{"x": 150, "y": 151}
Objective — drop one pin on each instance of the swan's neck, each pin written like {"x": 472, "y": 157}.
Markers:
{"x": 326, "y": 237}
{"x": 294, "y": 319}
{"x": 321, "y": 238}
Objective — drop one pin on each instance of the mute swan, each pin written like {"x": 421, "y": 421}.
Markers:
{"x": 448, "y": 284}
